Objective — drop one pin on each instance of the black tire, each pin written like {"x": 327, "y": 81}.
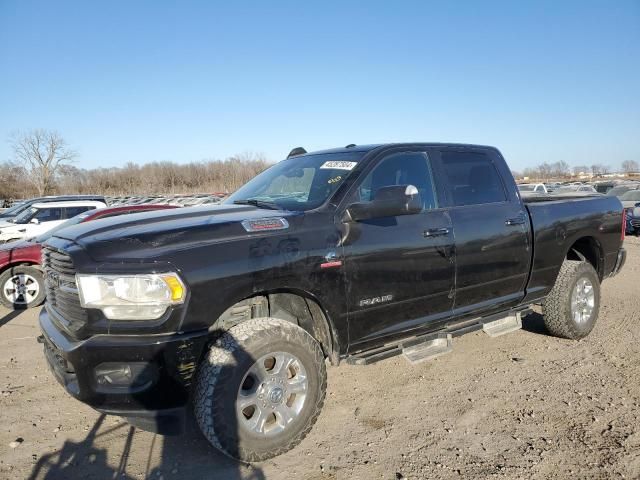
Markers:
{"x": 222, "y": 373}
{"x": 33, "y": 273}
{"x": 556, "y": 309}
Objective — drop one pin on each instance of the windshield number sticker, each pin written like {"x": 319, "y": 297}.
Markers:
{"x": 335, "y": 179}
{"x": 339, "y": 165}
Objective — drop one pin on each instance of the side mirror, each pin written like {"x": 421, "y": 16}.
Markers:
{"x": 35, "y": 221}
{"x": 387, "y": 202}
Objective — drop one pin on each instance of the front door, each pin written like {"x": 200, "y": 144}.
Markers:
{"x": 399, "y": 270}
{"x": 47, "y": 218}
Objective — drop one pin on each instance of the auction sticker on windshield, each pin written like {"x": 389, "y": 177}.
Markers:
{"x": 338, "y": 165}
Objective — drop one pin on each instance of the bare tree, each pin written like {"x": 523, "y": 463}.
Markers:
{"x": 545, "y": 171}
{"x": 630, "y": 166}
{"x": 580, "y": 169}
{"x": 560, "y": 169}
{"x": 42, "y": 153}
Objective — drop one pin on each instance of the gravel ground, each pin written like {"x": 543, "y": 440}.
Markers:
{"x": 524, "y": 405}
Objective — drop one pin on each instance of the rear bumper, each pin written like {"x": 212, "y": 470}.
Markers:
{"x": 620, "y": 261}
{"x": 157, "y": 396}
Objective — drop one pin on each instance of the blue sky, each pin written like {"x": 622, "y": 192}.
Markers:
{"x": 143, "y": 81}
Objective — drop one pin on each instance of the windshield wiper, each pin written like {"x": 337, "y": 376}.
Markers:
{"x": 257, "y": 203}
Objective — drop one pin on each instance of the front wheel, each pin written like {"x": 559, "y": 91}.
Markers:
{"x": 571, "y": 308}
{"x": 260, "y": 389}
{"x": 21, "y": 287}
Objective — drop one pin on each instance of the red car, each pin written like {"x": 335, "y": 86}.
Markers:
{"x": 21, "y": 282}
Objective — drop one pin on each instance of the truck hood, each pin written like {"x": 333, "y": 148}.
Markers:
{"x": 8, "y": 247}
{"x": 150, "y": 235}
{"x": 11, "y": 227}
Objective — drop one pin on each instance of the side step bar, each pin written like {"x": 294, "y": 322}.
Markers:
{"x": 504, "y": 325}
{"x": 428, "y": 350}
{"x": 426, "y": 347}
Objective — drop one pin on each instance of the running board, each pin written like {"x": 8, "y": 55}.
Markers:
{"x": 503, "y": 325}
{"x": 415, "y": 350}
{"x": 428, "y": 350}
{"x": 432, "y": 345}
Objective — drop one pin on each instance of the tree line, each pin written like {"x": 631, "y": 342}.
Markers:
{"x": 43, "y": 164}
{"x": 562, "y": 170}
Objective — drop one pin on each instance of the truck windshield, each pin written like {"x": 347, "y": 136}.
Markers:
{"x": 16, "y": 209}
{"x": 298, "y": 183}
{"x": 25, "y": 216}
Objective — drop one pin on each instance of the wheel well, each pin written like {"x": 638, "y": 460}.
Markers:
{"x": 296, "y": 308}
{"x": 19, "y": 264}
{"x": 587, "y": 249}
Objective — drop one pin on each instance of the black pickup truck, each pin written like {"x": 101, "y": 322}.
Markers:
{"x": 347, "y": 255}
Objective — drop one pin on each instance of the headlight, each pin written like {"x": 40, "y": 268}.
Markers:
{"x": 131, "y": 297}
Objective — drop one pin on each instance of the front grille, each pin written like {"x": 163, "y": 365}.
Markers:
{"x": 63, "y": 302}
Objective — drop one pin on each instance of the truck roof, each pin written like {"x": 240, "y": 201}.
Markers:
{"x": 374, "y": 146}
{"x": 69, "y": 203}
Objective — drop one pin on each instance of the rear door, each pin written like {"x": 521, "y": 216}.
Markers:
{"x": 491, "y": 229}
{"x": 399, "y": 270}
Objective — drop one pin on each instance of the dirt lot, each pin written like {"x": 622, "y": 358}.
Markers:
{"x": 524, "y": 405}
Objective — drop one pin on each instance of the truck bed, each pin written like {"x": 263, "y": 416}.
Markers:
{"x": 557, "y": 222}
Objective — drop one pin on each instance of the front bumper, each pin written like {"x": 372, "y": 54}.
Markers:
{"x": 620, "y": 261}
{"x": 169, "y": 361}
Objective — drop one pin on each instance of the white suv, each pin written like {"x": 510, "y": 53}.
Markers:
{"x": 42, "y": 217}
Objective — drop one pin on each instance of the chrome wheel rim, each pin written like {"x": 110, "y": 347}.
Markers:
{"x": 583, "y": 300}
{"x": 21, "y": 289}
{"x": 272, "y": 394}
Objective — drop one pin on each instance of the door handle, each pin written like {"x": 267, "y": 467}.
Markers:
{"x": 514, "y": 221}
{"x": 435, "y": 232}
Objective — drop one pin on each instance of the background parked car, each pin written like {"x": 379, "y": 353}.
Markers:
{"x": 619, "y": 190}
{"x": 631, "y": 204}
{"x": 21, "y": 282}
{"x": 574, "y": 189}
{"x": 42, "y": 217}
{"x": 532, "y": 188}
{"x": 20, "y": 206}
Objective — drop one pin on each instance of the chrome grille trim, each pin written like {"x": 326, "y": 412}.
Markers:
{"x": 63, "y": 300}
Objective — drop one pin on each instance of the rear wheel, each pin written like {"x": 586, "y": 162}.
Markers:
{"x": 571, "y": 308}
{"x": 260, "y": 389}
{"x": 21, "y": 287}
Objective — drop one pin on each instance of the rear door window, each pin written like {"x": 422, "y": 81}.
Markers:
{"x": 73, "y": 211}
{"x": 472, "y": 178}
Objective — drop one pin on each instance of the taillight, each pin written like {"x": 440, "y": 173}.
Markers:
{"x": 624, "y": 224}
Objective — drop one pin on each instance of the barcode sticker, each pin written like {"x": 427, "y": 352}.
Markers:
{"x": 338, "y": 165}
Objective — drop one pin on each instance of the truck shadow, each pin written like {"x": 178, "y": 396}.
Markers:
{"x": 10, "y": 315}
{"x": 534, "y": 323}
{"x": 185, "y": 456}
{"x": 83, "y": 458}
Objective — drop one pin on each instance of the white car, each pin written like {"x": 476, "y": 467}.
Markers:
{"x": 42, "y": 217}
{"x": 532, "y": 188}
